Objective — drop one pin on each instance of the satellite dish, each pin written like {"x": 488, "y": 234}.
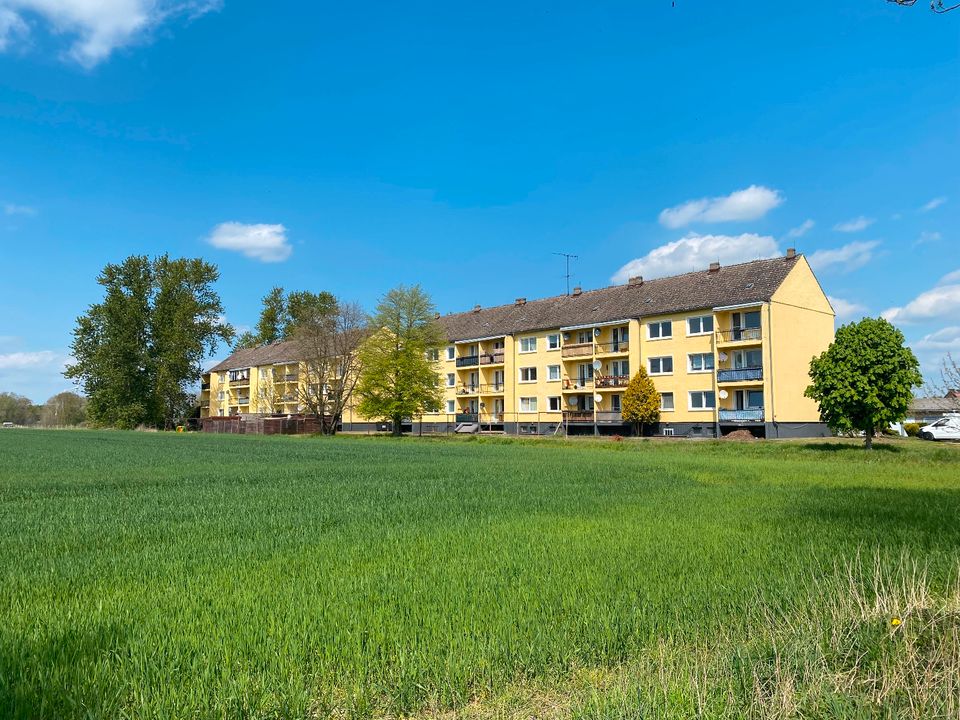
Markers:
{"x": 723, "y": 394}
{"x": 723, "y": 356}
{"x": 566, "y": 336}
{"x": 597, "y": 398}
{"x": 572, "y": 401}
{"x": 597, "y": 364}
{"x": 596, "y": 332}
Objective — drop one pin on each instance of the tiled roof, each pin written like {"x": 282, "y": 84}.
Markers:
{"x": 934, "y": 404}
{"x": 279, "y": 352}
{"x": 745, "y": 283}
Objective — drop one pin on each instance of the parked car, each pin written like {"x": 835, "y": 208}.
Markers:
{"x": 8, "y": 425}
{"x": 946, "y": 428}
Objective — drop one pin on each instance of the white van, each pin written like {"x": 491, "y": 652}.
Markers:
{"x": 946, "y": 428}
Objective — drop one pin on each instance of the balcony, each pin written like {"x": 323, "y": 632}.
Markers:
{"x": 468, "y": 361}
{"x": 736, "y": 334}
{"x": 612, "y": 381}
{"x": 492, "y": 388}
{"x": 751, "y": 415}
{"x": 205, "y": 386}
{"x": 620, "y": 347}
{"x": 577, "y": 383}
{"x": 494, "y": 358}
{"x": 243, "y": 400}
{"x": 468, "y": 389}
{"x": 467, "y": 417}
{"x": 578, "y": 416}
{"x": 740, "y": 375}
{"x": 577, "y": 350}
{"x": 608, "y": 417}
{"x": 291, "y": 377}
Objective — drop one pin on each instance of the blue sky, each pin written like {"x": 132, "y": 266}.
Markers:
{"x": 351, "y": 147}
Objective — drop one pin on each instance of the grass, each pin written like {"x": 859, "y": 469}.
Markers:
{"x": 172, "y": 576}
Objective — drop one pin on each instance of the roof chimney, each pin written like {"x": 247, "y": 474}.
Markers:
{"x": 714, "y": 266}
{"x": 476, "y": 308}
{"x": 791, "y": 253}
{"x": 520, "y": 301}
{"x": 635, "y": 280}
{"x": 577, "y": 291}
{"x": 436, "y": 316}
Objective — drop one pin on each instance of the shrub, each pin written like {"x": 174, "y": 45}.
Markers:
{"x": 912, "y": 429}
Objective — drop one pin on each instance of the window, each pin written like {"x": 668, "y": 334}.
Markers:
{"x": 701, "y": 325}
{"x": 666, "y": 401}
{"x": 451, "y": 407}
{"x": 220, "y": 396}
{"x": 615, "y": 403}
{"x": 553, "y": 372}
{"x": 528, "y": 344}
{"x": 528, "y": 404}
{"x": 553, "y": 341}
{"x": 553, "y": 404}
{"x": 433, "y": 354}
{"x": 661, "y": 365}
{"x": 660, "y": 330}
{"x": 584, "y": 337}
{"x": 755, "y": 398}
{"x": 451, "y": 352}
{"x": 700, "y": 362}
{"x": 451, "y": 379}
{"x": 743, "y": 359}
{"x": 528, "y": 374}
{"x": 620, "y": 368}
{"x": 702, "y": 400}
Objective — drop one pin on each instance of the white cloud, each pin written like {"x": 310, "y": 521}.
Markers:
{"x": 96, "y": 27}
{"x": 266, "y": 243}
{"x": 944, "y": 340}
{"x": 852, "y": 256}
{"x": 747, "y": 204}
{"x": 950, "y": 278}
{"x": 802, "y": 229}
{"x": 933, "y": 204}
{"x": 943, "y": 301}
{"x": 11, "y": 209}
{"x": 927, "y": 237}
{"x": 696, "y": 252}
{"x": 846, "y": 309}
{"x": 22, "y": 360}
{"x": 855, "y": 225}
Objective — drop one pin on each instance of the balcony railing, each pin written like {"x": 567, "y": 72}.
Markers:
{"x": 494, "y": 358}
{"x": 243, "y": 400}
{"x": 578, "y": 416}
{"x": 467, "y": 417}
{"x": 739, "y": 335}
{"x": 610, "y": 417}
{"x": 291, "y": 377}
{"x": 752, "y": 415}
{"x": 612, "y": 381}
{"x": 577, "y": 383}
{"x": 468, "y": 360}
{"x": 468, "y": 389}
{"x": 577, "y": 350}
{"x": 740, "y": 375}
{"x": 204, "y": 386}
{"x": 613, "y": 348}
{"x": 492, "y": 387}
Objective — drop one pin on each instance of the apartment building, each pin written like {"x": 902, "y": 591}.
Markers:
{"x": 727, "y": 348}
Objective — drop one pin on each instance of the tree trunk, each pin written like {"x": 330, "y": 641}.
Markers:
{"x": 868, "y": 439}
{"x": 397, "y": 425}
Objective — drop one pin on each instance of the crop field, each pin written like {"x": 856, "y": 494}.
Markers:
{"x": 148, "y": 575}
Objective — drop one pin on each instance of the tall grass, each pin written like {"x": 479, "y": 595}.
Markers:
{"x": 156, "y": 576}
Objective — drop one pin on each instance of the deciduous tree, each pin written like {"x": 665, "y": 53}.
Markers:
{"x": 397, "y": 378}
{"x": 17, "y": 409}
{"x": 65, "y": 409}
{"x": 641, "y": 402}
{"x": 865, "y": 379}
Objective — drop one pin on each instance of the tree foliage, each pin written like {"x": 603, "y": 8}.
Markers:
{"x": 139, "y": 349}
{"x": 66, "y": 409}
{"x": 864, "y": 381}
{"x": 641, "y": 401}
{"x": 397, "y": 378}
{"x": 17, "y": 409}
{"x": 282, "y": 314}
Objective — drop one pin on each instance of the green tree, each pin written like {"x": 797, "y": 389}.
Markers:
{"x": 282, "y": 314}
{"x": 641, "y": 402}
{"x": 139, "y": 349}
{"x": 64, "y": 409}
{"x": 865, "y": 379}
{"x": 397, "y": 380}
{"x": 17, "y": 409}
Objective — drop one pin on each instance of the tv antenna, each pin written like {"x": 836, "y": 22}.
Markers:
{"x": 568, "y": 256}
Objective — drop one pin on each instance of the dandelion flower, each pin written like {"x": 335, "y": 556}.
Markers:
{"x": 895, "y": 622}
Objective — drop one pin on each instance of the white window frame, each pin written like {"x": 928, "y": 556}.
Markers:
{"x": 520, "y": 375}
{"x": 550, "y": 369}
{"x": 702, "y": 394}
{"x": 701, "y": 318}
{"x": 451, "y": 379}
{"x": 451, "y": 407}
{"x": 551, "y": 338}
{"x": 529, "y": 339}
{"x": 659, "y": 324}
{"x": 551, "y": 403}
{"x": 531, "y": 404}
{"x": 692, "y": 370}
{"x": 673, "y": 402}
{"x": 433, "y": 354}
{"x": 451, "y": 352}
{"x": 661, "y": 358}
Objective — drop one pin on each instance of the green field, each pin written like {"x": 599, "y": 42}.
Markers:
{"x": 173, "y": 576}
